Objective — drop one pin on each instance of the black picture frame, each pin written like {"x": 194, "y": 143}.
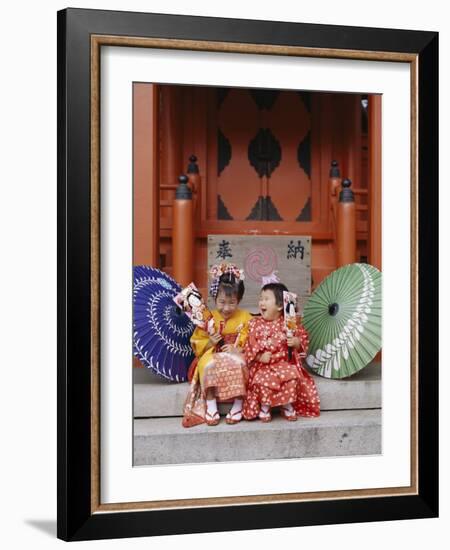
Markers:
{"x": 76, "y": 518}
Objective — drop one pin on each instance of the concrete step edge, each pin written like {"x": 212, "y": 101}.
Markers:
{"x": 338, "y": 433}
{"x": 361, "y": 392}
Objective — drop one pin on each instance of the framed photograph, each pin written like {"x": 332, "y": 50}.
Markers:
{"x": 195, "y": 152}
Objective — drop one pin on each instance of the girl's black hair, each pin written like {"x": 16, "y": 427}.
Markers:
{"x": 230, "y": 286}
{"x": 277, "y": 289}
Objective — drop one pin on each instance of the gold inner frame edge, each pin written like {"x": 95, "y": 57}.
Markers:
{"x": 264, "y": 49}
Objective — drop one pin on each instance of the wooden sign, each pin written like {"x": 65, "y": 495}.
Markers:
{"x": 288, "y": 255}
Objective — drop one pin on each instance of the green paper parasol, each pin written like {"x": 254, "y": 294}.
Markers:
{"x": 343, "y": 319}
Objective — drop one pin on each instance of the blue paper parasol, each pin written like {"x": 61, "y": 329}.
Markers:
{"x": 161, "y": 331}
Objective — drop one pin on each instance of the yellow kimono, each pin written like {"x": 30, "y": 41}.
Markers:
{"x": 225, "y": 372}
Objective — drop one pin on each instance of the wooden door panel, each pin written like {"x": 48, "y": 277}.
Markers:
{"x": 243, "y": 115}
{"x": 290, "y": 184}
{"x": 238, "y": 185}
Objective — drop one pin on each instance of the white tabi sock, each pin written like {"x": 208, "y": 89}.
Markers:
{"x": 211, "y": 405}
{"x": 237, "y": 406}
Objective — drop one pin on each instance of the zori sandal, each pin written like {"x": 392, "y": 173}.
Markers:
{"x": 212, "y": 419}
{"x": 233, "y": 418}
{"x": 265, "y": 416}
{"x": 288, "y": 414}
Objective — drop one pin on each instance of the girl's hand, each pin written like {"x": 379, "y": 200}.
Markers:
{"x": 229, "y": 348}
{"x": 265, "y": 357}
{"x": 293, "y": 342}
{"x": 215, "y": 338}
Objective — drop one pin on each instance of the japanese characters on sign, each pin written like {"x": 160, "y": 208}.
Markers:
{"x": 259, "y": 256}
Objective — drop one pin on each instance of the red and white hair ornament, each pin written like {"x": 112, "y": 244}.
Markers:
{"x": 218, "y": 270}
{"x": 271, "y": 278}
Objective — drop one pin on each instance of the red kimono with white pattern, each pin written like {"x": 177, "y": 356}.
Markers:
{"x": 280, "y": 381}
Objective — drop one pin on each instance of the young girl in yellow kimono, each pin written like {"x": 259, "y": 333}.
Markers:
{"x": 221, "y": 372}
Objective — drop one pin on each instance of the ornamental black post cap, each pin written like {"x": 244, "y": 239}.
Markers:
{"x": 183, "y": 191}
{"x": 192, "y": 166}
{"x": 334, "y": 170}
{"x": 346, "y": 195}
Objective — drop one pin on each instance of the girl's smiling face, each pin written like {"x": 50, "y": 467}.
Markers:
{"x": 268, "y": 306}
{"x": 226, "y": 305}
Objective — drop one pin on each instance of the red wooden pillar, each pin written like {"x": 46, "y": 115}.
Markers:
{"x": 195, "y": 185}
{"x": 354, "y": 146}
{"x": 145, "y": 174}
{"x": 334, "y": 184}
{"x": 171, "y": 139}
{"x": 183, "y": 234}
{"x": 346, "y": 226}
{"x": 375, "y": 182}
{"x": 171, "y": 134}
{"x": 347, "y": 139}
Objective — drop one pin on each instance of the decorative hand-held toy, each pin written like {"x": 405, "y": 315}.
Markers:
{"x": 290, "y": 315}
{"x": 191, "y": 302}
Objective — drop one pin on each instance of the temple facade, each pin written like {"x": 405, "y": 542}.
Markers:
{"x": 218, "y": 161}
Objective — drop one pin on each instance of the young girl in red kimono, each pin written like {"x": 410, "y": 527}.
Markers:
{"x": 274, "y": 379}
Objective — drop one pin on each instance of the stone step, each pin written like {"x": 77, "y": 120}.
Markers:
{"x": 155, "y": 397}
{"x": 334, "y": 433}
